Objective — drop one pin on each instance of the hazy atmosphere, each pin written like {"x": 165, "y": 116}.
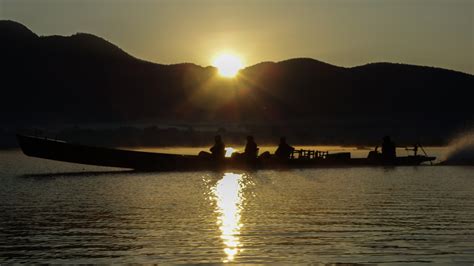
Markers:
{"x": 346, "y": 33}
{"x": 247, "y": 131}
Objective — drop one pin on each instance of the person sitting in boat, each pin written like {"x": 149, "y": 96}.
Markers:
{"x": 388, "y": 149}
{"x": 251, "y": 150}
{"x": 218, "y": 150}
{"x": 375, "y": 154}
{"x": 284, "y": 150}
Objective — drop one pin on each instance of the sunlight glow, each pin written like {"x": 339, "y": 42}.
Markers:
{"x": 229, "y": 151}
{"x": 228, "y": 196}
{"x": 228, "y": 65}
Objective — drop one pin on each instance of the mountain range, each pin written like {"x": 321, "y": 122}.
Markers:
{"x": 83, "y": 79}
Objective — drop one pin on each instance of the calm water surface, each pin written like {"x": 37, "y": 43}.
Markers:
{"x": 56, "y": 212}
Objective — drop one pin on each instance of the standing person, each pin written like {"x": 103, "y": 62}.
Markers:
{"x": 251, "y": 150}
{"x": 218, "y": 150}
{"x": 284, "y": 150}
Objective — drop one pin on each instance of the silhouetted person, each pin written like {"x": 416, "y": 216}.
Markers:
{"x": 251, "y": 150}
{"x": 374, "y": 154}
{"x": 388, "y": 149}
{"x": 415, "y": 149}
{"x": 218, "y": 150}
{"x": 284, "y": 150}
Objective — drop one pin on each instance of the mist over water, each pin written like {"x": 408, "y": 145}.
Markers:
{"x": 461, "y": 150}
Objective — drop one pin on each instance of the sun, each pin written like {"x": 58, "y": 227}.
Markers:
{"x": 228, "y": 65}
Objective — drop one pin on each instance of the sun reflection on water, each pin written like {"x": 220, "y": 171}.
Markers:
{"x": 228, "y": 196}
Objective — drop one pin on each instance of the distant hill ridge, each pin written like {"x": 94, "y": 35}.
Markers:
{"x": 12, "y": 29}
{"x": 84, "y": 78}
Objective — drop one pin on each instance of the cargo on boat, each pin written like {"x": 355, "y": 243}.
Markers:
{"x": 46, "y": 148}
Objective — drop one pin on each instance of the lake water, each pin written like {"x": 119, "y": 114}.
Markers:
{"x": 52, "y": 212}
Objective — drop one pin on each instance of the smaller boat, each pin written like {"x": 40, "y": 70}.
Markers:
{"x": 58, "y": 150}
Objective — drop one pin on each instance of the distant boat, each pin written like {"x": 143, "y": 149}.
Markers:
{"x": 148, "y": 161}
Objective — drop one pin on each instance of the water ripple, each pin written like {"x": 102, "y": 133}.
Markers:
{"x": 362, "y": 215}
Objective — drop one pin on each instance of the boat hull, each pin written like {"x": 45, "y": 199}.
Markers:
{"x": 82, "y": 154}
{"x": 147, "y": 161}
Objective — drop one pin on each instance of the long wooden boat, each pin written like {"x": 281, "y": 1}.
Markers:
{"x": 147, "y": 161}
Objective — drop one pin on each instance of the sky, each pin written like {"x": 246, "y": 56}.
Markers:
{"x": 341, "y": 32}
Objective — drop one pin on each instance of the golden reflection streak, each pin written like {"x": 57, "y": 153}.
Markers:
{"x": 228, "y": 196}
